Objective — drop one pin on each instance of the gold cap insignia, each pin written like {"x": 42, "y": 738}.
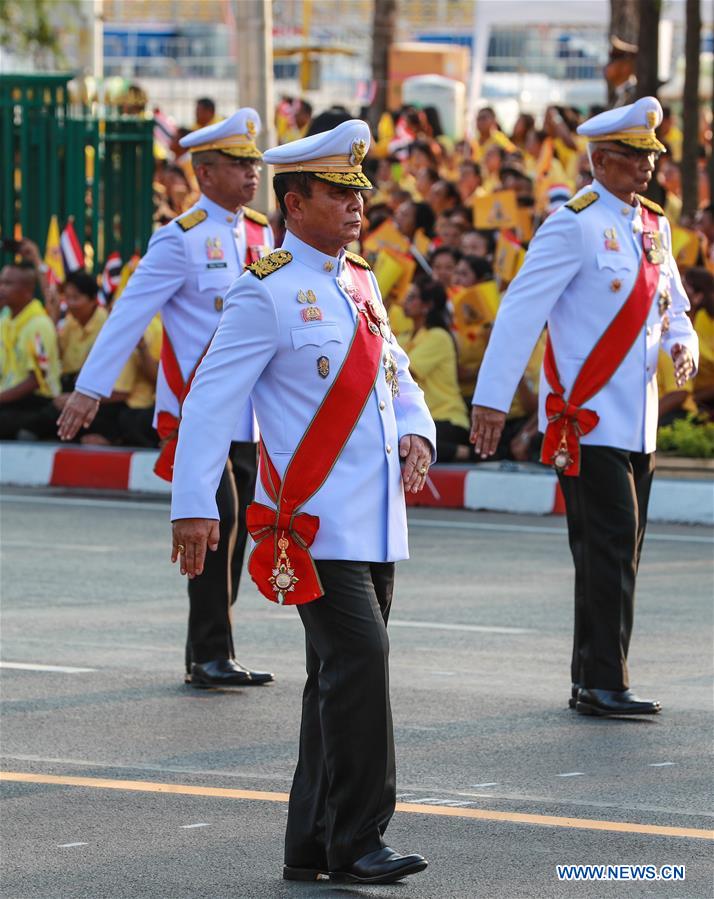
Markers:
{"x": 359, "y": 151}
{"x": 250, "y": 127}
{"x": 651, "y": 119}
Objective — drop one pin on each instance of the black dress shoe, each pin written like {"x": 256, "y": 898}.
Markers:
{"x": 226, "y": 673}
{"x": 573, "y": 695}
{"x": 381, "y": 866}
{"x": 290, "y": 872}
{"x": 614, "y": 702}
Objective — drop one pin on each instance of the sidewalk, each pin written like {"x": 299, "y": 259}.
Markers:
{"x": 678, "y": 495}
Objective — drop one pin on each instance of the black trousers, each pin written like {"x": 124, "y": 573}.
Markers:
{"x": 20, "y": 415}
{"x": 213, "y": 593}
{"x": 607, "y": 515}
{"x": 448, "y": 439}
{"x": 343, "y": 791}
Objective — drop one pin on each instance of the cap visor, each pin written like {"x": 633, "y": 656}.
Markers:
{"x": 246, "y": 152}
{"x": 346, "y": 179}
{"x": 643, "y": 143}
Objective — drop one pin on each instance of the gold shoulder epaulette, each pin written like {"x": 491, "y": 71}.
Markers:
{"x": 650, "y": 204}
{"x": 191, "y": 219}
{"x": 254, "y": 216}
{"x": 358, "y": 260}
{"x": 269, "y": 264}
{"x": 580, "y": 203}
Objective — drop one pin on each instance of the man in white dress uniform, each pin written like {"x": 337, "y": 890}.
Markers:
{"x": 188, "y": 267}
{"x": 601, "y": 274}
{"x": 305, "y": 333}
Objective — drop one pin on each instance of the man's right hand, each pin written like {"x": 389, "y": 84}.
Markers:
{"x": 79, "y": 411}
{"x": 486, "y": 428}
{"x": 191, "y": 537}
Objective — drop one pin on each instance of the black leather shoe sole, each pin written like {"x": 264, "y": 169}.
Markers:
{"x": 585, "y": 708}
{"x": 346, "y": 877}
{"x": 305, "y": 874}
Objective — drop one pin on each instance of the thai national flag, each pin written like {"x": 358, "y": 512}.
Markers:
{"x": 111, "y": 276}
{"x": 71, "y": 248}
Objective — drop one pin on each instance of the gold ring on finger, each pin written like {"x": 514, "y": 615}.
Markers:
{"x": 181, "y": 548}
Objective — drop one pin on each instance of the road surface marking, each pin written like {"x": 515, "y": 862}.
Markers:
{"x": 71, "y": 845}
{"x": 31, "y": 666}
{"x": 191, "y": 826}
{"x": 475, "y": 628}
{"x": 661, "y": 764}
{"x": 145, "y": 786}
{"x": 413, "y": 522}
{"x": 572, "y": 774}
{"x": 492, "y": 783}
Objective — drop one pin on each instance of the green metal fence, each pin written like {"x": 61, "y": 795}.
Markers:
{"x": 60, "y": 159}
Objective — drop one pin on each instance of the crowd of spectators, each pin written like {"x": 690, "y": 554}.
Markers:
{"x": 445, "y": 230}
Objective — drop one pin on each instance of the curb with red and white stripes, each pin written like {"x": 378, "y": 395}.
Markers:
{"x": 493, "y": 486}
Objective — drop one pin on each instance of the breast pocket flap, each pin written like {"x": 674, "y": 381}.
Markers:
{"x": 315, "y": 335}
{"x": 616, "y": 262}
{"x": 219, "y": 280}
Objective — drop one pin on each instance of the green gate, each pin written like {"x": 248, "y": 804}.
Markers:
{"x": 59, "y": 159}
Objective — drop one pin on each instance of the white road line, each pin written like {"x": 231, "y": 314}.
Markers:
{"x": 572, "y": 774}
{"x": 62, "y": 669}
{"x": 192, "y": 826}
{"x": 413, "y": 522}
{"x": 661, "y": 764}
{"x": 66, "y": 547}
{"x": 476, "y": 628}
{"x": 493, "y": 783}
{"x": 443, "y": 673}
{"x": 71, "y": 845}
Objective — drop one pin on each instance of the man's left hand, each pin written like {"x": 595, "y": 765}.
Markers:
{"x": 415, "y": 452}
{"x": 683, "y": 364}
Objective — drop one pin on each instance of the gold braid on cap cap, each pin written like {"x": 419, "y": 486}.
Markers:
{"x": 239, "y": 145}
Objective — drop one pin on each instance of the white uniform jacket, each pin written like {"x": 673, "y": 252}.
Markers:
{"x": 572, "y": 280}
{"x": 184, "y": 275}
{"x": 264, "y": 346}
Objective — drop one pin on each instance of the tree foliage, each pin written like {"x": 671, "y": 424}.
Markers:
{"x": 31, "y": 28}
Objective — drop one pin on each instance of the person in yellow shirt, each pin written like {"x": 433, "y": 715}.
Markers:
{"x": 136, "y": 418}
{"x": 670, "y": 134}
{"x": 432, "y": 364}
{"x": 489, "y": 135}
{"x": 471, "y": 326}
{"x": 29, "y": 364}
{"x": 699, "y": 284}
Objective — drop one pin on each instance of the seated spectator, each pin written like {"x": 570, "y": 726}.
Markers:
{"x": 699, "y": 284}
{"x": 76, "y": 334}
{"x": 416, "y": 222}
{"x": 425, "y": 179}
{"x": 135, "y": 418}
{"x": 443, "y": 264}
{"x": 472, "y": 328}
{"x": 448, "y": 232}
{"x": 469, "y": 183}
{"x": 432, "y": 363}
{"x": 491, "y": 168}
{"x": 29, "y": 366}
{"x": 478, "y": 243}
{"x": 443, "y": 197}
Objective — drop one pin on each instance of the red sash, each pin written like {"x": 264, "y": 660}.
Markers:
{"x": 167, "y": 424}
{"x": 280, "y": 563}
{"x": 254, "y": 241}
{"x": 567, "y": 420}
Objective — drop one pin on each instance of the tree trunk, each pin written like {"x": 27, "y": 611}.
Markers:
{"x": 648, "y": 43}
{"x": 690, "y": 111}
{"x": 383, "y": 26}
{"x": 624, "y": 24}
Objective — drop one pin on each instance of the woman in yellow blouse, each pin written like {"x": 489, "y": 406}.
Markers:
{"x": 432, "y": 363}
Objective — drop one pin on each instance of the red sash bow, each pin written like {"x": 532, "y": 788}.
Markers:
{"x": 567, "y": 420}
{"x": 281, "y": 563}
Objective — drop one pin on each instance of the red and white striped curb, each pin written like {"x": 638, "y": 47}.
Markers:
{"x": 488, "y": 487}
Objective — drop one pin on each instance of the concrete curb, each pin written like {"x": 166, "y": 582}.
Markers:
{"x": 491, "y": 486}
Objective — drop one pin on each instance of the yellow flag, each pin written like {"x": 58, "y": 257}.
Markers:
{"x": 387, "y": 235}
{"x": 508, "y": 258}
{"x": 496, "y": 211}
{"x": 685, "y": 246}
{"x": 126, "y": 273}
{"x": 53, "y": 253}
{"x": 475, "y": 305}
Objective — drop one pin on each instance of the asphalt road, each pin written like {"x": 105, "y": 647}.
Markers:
{"x": 181, "y": 793}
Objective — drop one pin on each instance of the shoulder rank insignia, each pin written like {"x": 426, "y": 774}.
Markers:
{"x": 357, "y": 260}
{"x": 191, "y": 219}
{"x": 254, "y": 216}
{"x": 269, "y": 264}
{"x": 580, "y": 203}
{"x": 651, "y": 205}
